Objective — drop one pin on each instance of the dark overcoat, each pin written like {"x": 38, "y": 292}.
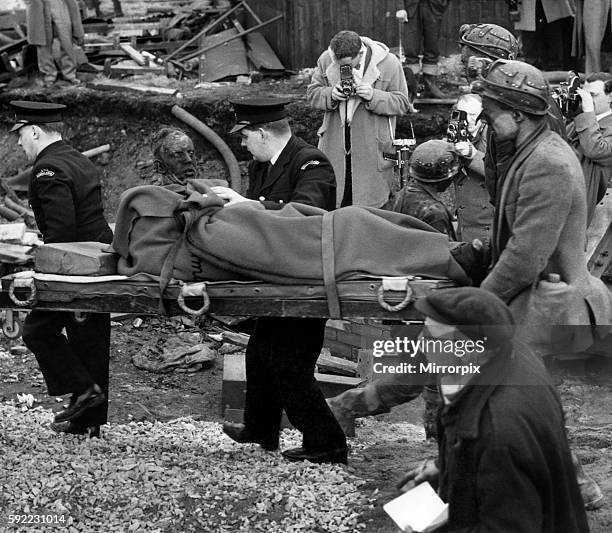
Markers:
{"x": 504, "y": 459}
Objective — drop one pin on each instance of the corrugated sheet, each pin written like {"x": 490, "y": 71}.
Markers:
{"x": 304, "y": 33}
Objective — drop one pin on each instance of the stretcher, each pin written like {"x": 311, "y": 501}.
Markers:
{"x": 371, "y": 297}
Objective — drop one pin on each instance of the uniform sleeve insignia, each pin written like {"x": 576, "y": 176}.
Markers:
{"x": 311, "y": 163}
{"x": 45, "y": 172}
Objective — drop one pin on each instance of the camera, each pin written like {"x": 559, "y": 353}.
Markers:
{"x": 457, "y": 129}
{"x": 566, "y": 96}
{"x": 403, "y": 149}
{"x": 347, "y": 84}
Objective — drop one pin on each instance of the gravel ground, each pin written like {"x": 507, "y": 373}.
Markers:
{"x": 183, "y": 475}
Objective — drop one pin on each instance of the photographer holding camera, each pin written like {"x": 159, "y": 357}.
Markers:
{"x": 361, "y": 87}
{"x": 474, "y": 208}
{"x": 590, "y": 133}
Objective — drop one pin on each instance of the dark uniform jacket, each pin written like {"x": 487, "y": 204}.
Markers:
{"x": 504, "y": 460}
{"x": 66, "y": 196}
{"x": 416, "y": 201}
{"x": 301, "y": 174}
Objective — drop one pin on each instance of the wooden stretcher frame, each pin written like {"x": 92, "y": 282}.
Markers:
{"x": 358, "y": 299}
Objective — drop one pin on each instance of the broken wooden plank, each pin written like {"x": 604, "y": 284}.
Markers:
{"x": 109, "y": 85}
{"x": 238, "y": 35}
{"x": 329, "y": 363}
{"x": 238, "y": 339}
{"x": 134, "y": 54}
{"x": 205, "y": 30}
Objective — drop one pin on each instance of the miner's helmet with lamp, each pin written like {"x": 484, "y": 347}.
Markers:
{"x": 434, "y": 162}
{"x": 516, "y": 85}
{"x": 489, "y": 40}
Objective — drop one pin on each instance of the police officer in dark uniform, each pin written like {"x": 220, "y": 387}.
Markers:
{"x": 65, "y": 195}
{"x": 433, "y": 166}
{"x": 282, "y": 352}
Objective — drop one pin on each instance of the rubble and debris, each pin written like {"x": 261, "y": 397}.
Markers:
{"x": 183, "y": 352}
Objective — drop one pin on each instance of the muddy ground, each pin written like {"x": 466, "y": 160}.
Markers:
{"x": 126, "y": 121}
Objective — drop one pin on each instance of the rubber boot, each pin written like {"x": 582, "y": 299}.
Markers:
{"x": 431, "y": 86}
{"x": 589, "y": 489}
{"x": 355, "y": 403}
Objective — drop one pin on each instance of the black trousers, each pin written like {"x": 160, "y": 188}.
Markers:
{"x": 422, "y": 32}
{"x": 280, "y": 363}
{"x": 73, "y": 362}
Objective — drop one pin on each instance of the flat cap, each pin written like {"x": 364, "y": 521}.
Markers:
{"x": 477, "y": 313}
{"x": 253, "y": 111}
{"x": 35, "y": 113}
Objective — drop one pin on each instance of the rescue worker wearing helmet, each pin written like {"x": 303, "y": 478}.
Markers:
{"x": 537, "y": 230}
{"x": 540, "y": 224}
{"x": 432, "y": 167}
{"x": 472, "y": 200}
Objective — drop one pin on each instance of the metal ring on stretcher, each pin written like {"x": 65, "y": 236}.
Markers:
{"x": 25, "y": 283}
{"x": 380, "y": 294}
{"x": 201, "y": 292}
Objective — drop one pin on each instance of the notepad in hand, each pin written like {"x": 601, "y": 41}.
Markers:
{"x": 420, "y": 509}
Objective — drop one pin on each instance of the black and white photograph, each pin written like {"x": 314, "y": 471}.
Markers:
{"x": 306, "y": 266}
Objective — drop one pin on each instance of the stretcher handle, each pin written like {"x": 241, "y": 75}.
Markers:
{"x": 21, "y": 283}
{"x": 194, "y": 289}
{"x": 393, "y": 308}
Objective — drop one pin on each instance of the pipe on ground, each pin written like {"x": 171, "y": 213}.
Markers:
{"x": 216, "y": 141}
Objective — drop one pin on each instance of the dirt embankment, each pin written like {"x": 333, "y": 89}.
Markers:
{"x": 127, "y": 120}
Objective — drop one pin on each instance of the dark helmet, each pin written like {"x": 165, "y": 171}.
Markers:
{"x": 491, "y": 40}
{"x": 515, "y": 84}
{"x": 433, "y": 161}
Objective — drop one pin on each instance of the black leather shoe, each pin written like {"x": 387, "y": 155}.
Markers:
{"x": 239, "y": 433}
{"x": 71, "y": 428}
{"x": 336, "y": 455}
{"x": 92, "y": 397}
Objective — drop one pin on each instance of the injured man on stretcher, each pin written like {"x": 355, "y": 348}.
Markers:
{"x": 196, "y": 234}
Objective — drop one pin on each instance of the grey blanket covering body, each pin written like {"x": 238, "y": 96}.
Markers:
{"x": 205, "y": 241}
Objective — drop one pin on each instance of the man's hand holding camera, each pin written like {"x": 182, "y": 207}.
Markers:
{"x": 338, "y": 94}
{"x": 363, "y": 90}
{"x": 587, "y": 100}
{"x": 465, "y": 149}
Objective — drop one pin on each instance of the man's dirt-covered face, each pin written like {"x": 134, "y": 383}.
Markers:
{"x": 178, "y": 156}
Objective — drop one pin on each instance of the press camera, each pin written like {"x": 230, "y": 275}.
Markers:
{"x": 567, "y": 97}
{"x": 457, "y": 129}
{"x": 347, "y": 83}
